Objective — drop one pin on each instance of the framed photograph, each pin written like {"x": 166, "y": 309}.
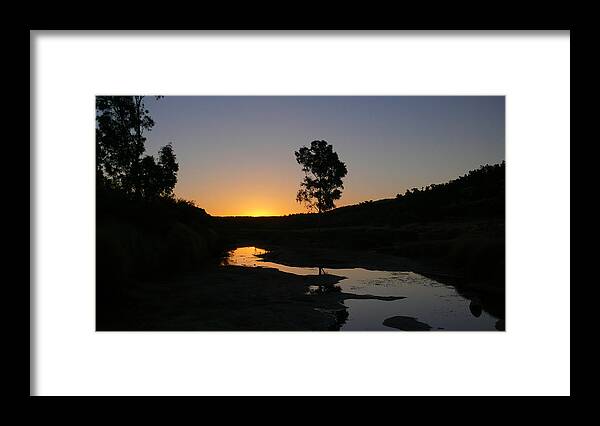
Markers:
{"x": 226, "y": 217}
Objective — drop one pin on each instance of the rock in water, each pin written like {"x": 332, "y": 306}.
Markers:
{"x": 475, "y": 307}
{"x": 406, "y": 324}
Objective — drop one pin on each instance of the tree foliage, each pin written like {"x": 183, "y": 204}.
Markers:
{"x": 322, "y": 183}
{"x": 121, "y": 125}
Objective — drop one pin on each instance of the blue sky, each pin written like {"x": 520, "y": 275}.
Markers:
{"x": 236, "y": 154}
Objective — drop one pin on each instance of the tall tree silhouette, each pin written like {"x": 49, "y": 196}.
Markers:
{"x": 121, "y": 123}
{"x": 322, "y": 183}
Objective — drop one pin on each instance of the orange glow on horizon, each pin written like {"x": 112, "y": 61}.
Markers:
{"x": 247, "y": 203}
{"x": 221, "y": 206}
{"x": 254, "y": 212}
{"x": 244, "y": 198}
{"x": 259, "y": 213}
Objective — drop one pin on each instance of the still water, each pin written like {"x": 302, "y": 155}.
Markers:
{"x": 426, "y": 300}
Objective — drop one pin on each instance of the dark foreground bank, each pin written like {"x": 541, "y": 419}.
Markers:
{"x": 144, "y": 240}
{"x": 229, "y": 298}
{"x": 236, "y": 298}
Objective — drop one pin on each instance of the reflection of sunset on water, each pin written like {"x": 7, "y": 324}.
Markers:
{"x": 438, "y": 305}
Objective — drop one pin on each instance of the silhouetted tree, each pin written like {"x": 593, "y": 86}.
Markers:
{"x": 149, "y": 178}
{"x": 121, "y": 122}
{"x": 322, "y": 183}
{"x": 169, "y": 169}
{"x": 120, "y": 125}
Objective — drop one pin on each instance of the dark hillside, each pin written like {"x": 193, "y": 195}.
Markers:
{"x": 145, "y": 240}
{"x": 141, "y": 239}
{"x": 478, "y": 194}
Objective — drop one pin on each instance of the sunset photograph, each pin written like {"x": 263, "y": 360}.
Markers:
{"x": 300, "y": 213}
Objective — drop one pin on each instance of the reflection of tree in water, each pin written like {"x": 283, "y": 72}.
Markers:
{"x": 324, "y": 286}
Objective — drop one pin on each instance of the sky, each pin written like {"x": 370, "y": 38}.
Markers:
{"x": 236, "y": 154}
